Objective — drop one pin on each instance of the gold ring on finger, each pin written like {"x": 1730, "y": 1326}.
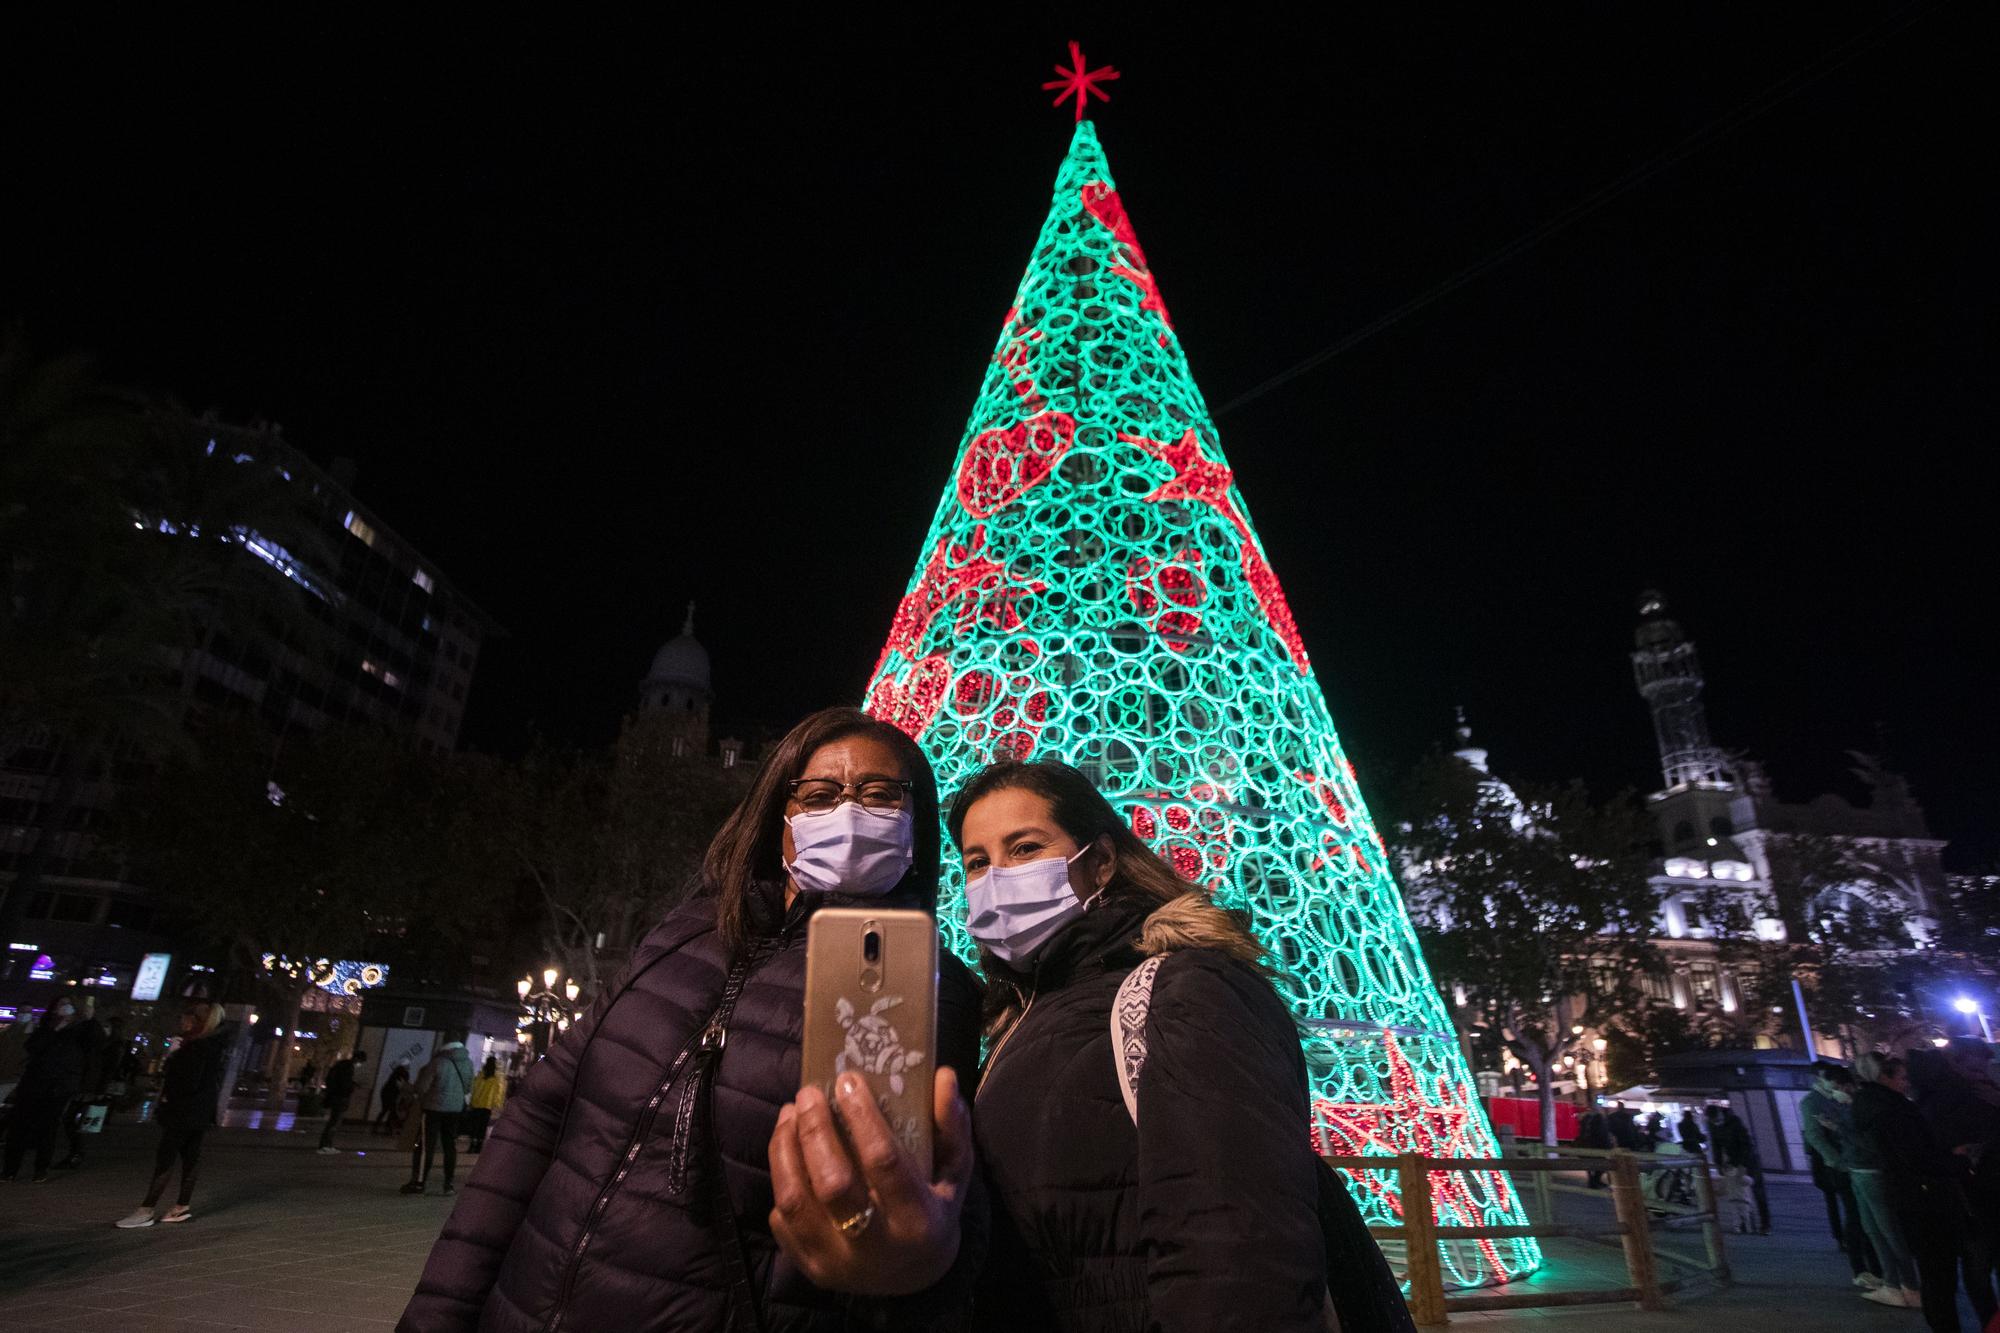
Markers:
{"x": 858, "y": 1223}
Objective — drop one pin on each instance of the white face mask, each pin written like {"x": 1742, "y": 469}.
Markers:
{"x": 851, "y": 849}
{"x": 1015, "y": 910}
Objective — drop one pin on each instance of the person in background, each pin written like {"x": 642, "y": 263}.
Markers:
{"x": 1692, "y": 1139}
{"x": 1907, "y": 1186}
{"x": 190, "y": 1094}
{"x": 339, "y": 1096}
{"x": 14, "y": 1054}
{"x": 393, "y": 1110}
{"x": 60, "y": 1051}
{"x": 1652, "y": 1130}
{"x": 411, "y": 1140}
{"x": 1735, "y": 1149}
{"x": 442, "y": 1091}
{"x": 1593, "y": 1132}
{"x": 1826, "y": 1119}
{"x": 307, "y": 1075}
{"x": 1948, "y": 1084}
{"x": 1624, "y": 1127}
{"x": 489, "y": 1094}
{"x": 100, "y": 1050}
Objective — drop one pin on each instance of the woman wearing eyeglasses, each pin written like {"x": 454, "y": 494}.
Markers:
{"x": 628, "y": 1186}
{"x": 1159, "y": 1179}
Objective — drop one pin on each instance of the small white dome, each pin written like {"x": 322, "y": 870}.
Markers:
{"x": 681, "y": 660}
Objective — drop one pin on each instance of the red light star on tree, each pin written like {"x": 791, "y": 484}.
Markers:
{"x": 1202, "y": 480}
{"x": 1080, "y": 83}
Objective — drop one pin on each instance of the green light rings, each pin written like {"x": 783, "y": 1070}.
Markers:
{"x": 1092, "y": 589}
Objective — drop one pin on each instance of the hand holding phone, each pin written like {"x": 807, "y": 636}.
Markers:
{"x": 870, "y": 1166}
{"x": 863, "y": 1220}
{"x": 871, "y": 1010}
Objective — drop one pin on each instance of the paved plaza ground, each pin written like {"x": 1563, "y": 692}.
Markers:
{"x": 287, "y": 1240}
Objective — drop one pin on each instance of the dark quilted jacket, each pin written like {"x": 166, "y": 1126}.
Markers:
{"x": 581, "y": 1226}
{"x": 1204, "y": 1217}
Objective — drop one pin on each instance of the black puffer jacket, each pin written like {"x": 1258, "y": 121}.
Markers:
{"x": 191, "y": 1083}
{"x": 59, "y": 1059}
{"x": 1205, "y": 1216}
{"x": 575, "y": 1218}
{"x": 1890, "y": 1135}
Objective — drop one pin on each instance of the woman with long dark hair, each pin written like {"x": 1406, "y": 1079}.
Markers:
{"x": 627, "y": 1187}
{"x": 1142, "y": 1117}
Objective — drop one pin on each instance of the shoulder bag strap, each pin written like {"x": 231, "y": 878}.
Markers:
{"x": 576, "y": 1070}
{"x": 1128, "y": 1029}
{"x": 745, "y": 1312}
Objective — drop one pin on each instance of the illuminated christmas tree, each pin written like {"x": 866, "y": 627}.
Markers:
{"x": 1092, "y": 590}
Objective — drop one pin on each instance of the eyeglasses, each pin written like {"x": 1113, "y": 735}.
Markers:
{"x": 816, "y": 796}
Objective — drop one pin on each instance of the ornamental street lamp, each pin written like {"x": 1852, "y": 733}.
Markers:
{"x": 544, "y": 1010}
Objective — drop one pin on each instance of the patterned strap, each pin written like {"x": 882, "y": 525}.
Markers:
{"x": 1128, "y": 1029}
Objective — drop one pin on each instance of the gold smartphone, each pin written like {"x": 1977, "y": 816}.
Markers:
{"x": 871, "y": 1007}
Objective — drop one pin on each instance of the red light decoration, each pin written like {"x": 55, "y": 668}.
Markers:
{"x": 1102, "y": 203}
{"x": 1202, "y": 481}
{"x": 1078, "y": 82}
{"x": 1409, "y": 1122}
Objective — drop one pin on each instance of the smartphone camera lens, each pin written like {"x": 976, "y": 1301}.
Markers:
{"x": 871, "y": 946}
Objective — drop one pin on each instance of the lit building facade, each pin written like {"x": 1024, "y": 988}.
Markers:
{"x": 1727, "y": 842}
{"x": 1726, "y": 837}
{"x": 388, "y": 643}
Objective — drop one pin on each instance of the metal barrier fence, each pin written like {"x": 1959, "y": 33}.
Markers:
{"x": 1632, "y": 1204}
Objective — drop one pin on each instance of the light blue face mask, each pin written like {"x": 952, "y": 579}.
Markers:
{"x": 851, "y": 850}
{"x": 1015, "y": 910}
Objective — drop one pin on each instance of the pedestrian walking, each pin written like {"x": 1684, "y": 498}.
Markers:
{"x": 190, "y": 1096}
{"x": 59, "y": 1052}
{"x": 1826, "y": 1120}
{"x": 394, "y": 1094}
{"x": 564, "y": 1222}
{"x": 1911, "y": 1188}
{"x": 442, "y": 1091}
{"x": 1653, "y": 1131}
{"x": 489, "y": 1094}
{"x": 339, "y": 1096}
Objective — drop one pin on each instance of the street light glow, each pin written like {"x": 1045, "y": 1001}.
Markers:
{"x": 524, "y": 986}
{"x": 1965, "y": 1004}
{"x": 549, "y": 978}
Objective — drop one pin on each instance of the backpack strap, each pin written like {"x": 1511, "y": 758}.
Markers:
{"x": 1128, "y": 1029}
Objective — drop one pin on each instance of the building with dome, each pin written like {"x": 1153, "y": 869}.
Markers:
{"x": 678, "y": 689}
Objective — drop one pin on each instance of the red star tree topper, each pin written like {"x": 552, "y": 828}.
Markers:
{"x": 1078, "y": 83}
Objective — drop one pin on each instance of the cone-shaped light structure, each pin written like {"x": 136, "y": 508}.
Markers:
{"x": 1092, "y": 590}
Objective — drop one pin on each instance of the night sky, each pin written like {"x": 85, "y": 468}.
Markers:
{"x": 613, "y": 319}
